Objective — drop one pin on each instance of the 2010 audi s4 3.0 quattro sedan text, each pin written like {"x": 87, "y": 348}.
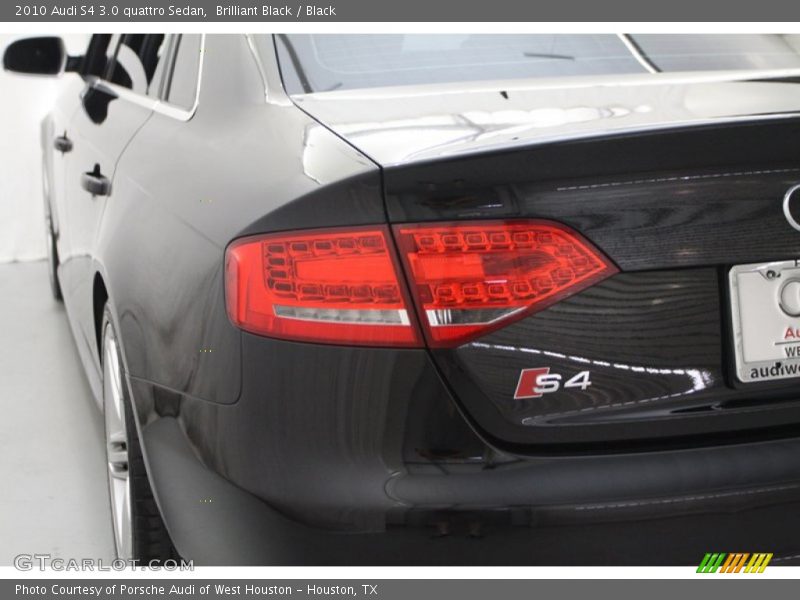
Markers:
{"x": 434, "y": 299}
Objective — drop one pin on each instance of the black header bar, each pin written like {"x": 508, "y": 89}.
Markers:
{"x": 255, "y": 11}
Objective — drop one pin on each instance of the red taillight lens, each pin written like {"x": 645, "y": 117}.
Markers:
{"x": 335, "y": 286}
{"x": 342, "y": 286}
{"x": 468, "y": 278}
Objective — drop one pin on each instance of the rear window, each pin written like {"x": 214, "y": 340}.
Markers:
{"x": 320, "y": 63}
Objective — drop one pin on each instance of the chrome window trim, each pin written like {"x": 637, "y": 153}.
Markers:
{"x": 169, "y": 41}
{"x": 251, "y": 45}
{"x": 125, "y": 94}
{"x": 262, "y": 49}
{"x": 177, "y": 112}
{"x": 158, "y": 104}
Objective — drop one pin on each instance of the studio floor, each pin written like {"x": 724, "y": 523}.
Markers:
{"x": 54, "y": 498}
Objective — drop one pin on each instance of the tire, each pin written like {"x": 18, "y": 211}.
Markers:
{"x": 52, "y": 261}
{"x": 139, "y": 531}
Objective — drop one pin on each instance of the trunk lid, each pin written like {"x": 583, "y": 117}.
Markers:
{"x": 402, "y": 125}
{"x": 675, "y": 196}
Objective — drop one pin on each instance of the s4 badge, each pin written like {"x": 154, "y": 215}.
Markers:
{"x": 534, "y": 383}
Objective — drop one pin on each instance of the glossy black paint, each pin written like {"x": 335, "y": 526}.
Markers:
{"x": 655, "y": 337}
{"x": 421, "y": 454}
{"x": 648, "y": 201}
{"x": 656, "y": 353}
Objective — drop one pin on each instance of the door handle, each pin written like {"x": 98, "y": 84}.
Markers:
{"x": 62, "y": 143}
{"x": 96, "y": 183}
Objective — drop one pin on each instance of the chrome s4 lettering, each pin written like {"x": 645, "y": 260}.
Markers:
{"x": 534, "y": 383}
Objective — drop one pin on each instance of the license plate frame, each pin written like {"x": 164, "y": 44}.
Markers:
{"x": 766, "y": 327}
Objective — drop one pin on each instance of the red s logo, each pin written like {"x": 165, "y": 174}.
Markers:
{"x": 527, "y": 387}
{"x": 534, "y": 383}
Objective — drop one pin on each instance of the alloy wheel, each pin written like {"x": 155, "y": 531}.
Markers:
{"x": 117, "y": 447}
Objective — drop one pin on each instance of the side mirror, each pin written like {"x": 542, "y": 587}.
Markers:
{"x": 36, "y": 56}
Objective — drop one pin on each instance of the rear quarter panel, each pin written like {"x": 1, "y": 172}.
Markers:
{"x": 185, "y": 189}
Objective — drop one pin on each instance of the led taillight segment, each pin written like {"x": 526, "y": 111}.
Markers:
{"x": 470, "y": 277}
{"x": 343, "y": 286}
{"x": 327, "y": 285}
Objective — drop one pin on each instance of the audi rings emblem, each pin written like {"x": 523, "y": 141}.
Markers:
{"x": 792, "y": 199}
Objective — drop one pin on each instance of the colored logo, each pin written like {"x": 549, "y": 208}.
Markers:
{"x": 534, "y": 383}
{"x": 737, "y": 562}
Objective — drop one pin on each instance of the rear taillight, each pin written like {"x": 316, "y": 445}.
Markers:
{"x": 334, "y": 286}
{"x": 343, "y": 286}
{"x": 469, "y": 278}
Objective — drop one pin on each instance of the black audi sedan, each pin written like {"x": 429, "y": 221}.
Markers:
{"x": 434, "y": 299}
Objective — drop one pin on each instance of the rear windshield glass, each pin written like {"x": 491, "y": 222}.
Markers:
{"x": 321, "y": 63}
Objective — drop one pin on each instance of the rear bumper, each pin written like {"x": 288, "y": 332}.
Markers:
{"x": 336, "y": 455}
{"x": 214, "y": 522}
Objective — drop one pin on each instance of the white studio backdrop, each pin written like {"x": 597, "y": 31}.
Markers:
{"x": 24, "y": 101}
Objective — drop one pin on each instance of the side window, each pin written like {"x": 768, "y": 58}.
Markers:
{"x": 133, "y": 62}
{"x": 154, "y": 87}
{"x": 183, "y": 82}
